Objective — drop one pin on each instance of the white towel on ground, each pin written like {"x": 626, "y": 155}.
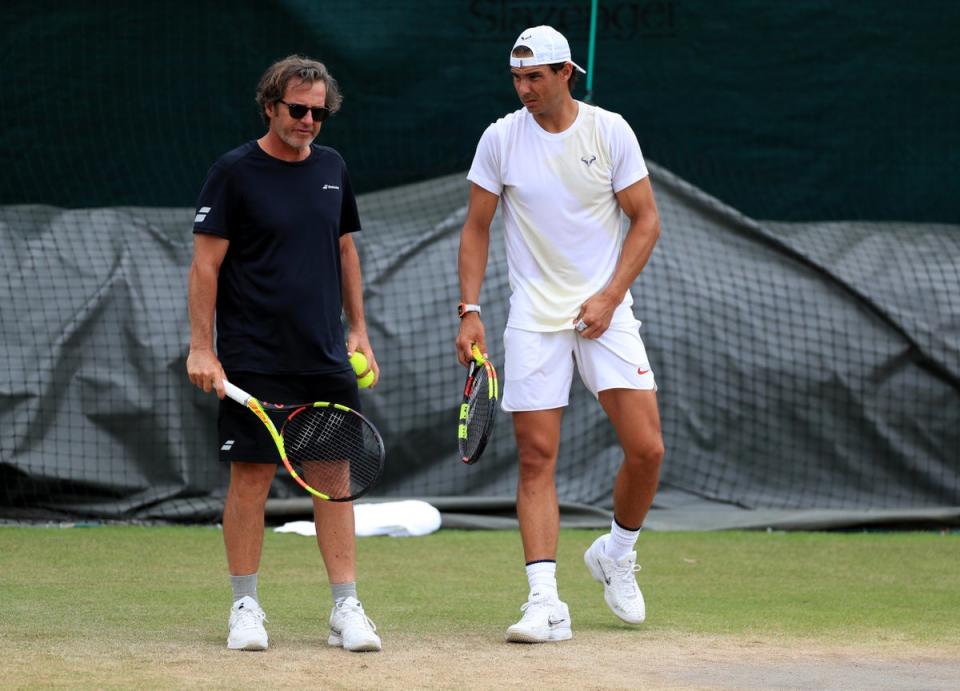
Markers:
{"x": 407, "y": 518}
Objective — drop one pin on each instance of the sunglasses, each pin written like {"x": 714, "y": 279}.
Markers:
{"x": 298, "y": 111}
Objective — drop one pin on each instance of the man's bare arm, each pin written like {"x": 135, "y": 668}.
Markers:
{"x": 640, "y": 208}
{"x": 472, "y": 265}
{"x": 203, "y": 366}
{"x": 352, "y": 288}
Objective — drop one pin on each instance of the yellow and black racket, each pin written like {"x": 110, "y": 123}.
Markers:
{"x": 332, "y": 451}
{"x": 479, "y": 407}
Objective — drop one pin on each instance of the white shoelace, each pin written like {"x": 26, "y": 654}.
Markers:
{"x": 534, "y": 605}
{"x": 355, "y": 615}
{"x": 249, "y": 618}
{"x": 623, "y": 574}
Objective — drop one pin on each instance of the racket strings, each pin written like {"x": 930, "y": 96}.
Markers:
{"x": 479, "y": 411}
{"x": 334, "y": 451}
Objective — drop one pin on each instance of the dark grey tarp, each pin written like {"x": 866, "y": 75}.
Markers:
{"x": 808, "y": 373}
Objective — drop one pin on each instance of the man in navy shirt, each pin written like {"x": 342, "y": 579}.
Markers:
{"x": 274, "y": 262}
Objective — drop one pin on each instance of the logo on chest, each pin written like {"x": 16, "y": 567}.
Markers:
{"x": 588, "y": 159}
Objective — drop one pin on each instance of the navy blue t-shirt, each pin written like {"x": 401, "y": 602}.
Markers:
{"x": 279, "y": 299}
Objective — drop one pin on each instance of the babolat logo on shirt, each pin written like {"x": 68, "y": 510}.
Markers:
{"x": 330, "y": 187}
{"x": 201, "y": 214}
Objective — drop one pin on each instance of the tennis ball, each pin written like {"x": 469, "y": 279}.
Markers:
{"x": 362, "y": 369}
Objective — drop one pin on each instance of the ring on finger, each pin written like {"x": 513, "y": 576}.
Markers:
{"x": 580, "y": 326}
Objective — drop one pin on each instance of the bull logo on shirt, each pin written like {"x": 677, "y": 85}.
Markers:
{"x": 589, "y": 160}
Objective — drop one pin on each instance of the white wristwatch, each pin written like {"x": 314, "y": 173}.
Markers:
{"x": 464, "y": 308}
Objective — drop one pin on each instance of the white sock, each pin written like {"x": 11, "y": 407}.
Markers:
{"x": 621, "y": 541}
{"x": 542, "y": 576}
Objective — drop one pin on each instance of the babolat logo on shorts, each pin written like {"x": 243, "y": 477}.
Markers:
{"x": 227, "y": 445}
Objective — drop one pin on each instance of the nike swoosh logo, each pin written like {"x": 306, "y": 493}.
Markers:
{"x": 606, "y": 578}
{"x": 554, "y": 622}
{"x": 642, "y": 371}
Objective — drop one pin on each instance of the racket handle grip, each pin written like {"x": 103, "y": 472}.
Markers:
{"x": 235, "y": 393}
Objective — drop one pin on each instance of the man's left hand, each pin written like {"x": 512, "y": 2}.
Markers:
{"x": 595, "y": 315}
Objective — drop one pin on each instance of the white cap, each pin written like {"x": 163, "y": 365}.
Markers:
{"x": 548, "y": 46}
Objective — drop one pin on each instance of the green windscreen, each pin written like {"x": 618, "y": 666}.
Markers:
{"x": 784, "y": 110}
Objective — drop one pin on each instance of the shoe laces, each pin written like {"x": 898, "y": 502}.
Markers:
{"x": 354, "y": 614}
{"x": 623, "y": 574}
{"x": 247, "y": 617}
{"x": 532, "y": 606}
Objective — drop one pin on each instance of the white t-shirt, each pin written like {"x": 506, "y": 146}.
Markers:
{"x": 563, "y": 223}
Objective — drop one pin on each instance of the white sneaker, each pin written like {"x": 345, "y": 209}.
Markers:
{"x": 246, "y": 626}
{"x": 351, "y": 629}
{"x": 620, "y": 588}
{"x": 543, "y": 620}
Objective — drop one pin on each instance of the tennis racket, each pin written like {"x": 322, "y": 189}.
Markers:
{"x": 332, "y": 451}
{"x": 479, "y": 407}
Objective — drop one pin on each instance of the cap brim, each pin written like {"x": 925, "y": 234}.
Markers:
{"x": 535, "y": 62}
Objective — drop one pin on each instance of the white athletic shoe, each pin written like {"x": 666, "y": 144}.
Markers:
{"x": 543, "y": 620}
{"x": 246, "y": 626}
{"x": 620, "y": 588}
{"x": 351, "y": 629}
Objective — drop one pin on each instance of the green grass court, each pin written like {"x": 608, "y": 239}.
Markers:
{"x": 119, "y": 607}
{"x": 169, "y": 583}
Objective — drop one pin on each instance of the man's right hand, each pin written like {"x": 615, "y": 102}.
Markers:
{"x": 471, "y": 331}
{"x": 205, "y": 371}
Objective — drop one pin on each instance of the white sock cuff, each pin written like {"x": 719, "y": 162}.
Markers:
{"x": 542, "y": 577}
{"x": 621, "y": 541}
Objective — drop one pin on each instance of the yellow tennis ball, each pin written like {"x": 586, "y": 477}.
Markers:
{"x": 359, "y": 362}
{"x": 360, "y": 365}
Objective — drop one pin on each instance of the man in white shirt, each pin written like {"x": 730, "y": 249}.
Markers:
{"x": 565, "y": 170}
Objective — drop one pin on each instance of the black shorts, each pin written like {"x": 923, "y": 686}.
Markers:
{"x": 244, "y": 438}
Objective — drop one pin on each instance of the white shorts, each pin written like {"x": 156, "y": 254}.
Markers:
{"x": 538, "y": 365}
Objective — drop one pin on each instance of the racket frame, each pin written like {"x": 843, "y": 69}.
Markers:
{"x": 493, "y": 394}
{"x": 260, "y": 408}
